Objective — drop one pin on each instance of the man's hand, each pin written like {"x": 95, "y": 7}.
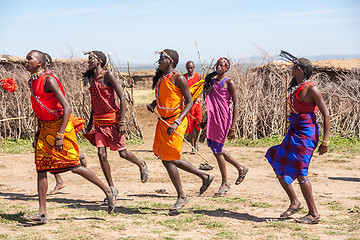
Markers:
{"x": 151, "y": 106}
{"x": 231, "y": 134}
{"x": 322, "y": 149}
{"x": 172, "y": 128}
{"x": 59, "y": 144}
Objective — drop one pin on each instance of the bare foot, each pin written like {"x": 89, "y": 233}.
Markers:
{"x": 57, "y": 188}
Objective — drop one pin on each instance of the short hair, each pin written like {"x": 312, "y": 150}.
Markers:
{"x": 41, "y": 58}
{"x": 188, "y": 62}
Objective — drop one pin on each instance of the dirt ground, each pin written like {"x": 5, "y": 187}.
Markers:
{"x": 249, "y": 210}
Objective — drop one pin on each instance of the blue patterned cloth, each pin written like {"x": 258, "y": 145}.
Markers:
{"x": 292, "y": 157}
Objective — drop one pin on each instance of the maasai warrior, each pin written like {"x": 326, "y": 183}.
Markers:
{"x": 60, "y": 184}
{"x": 195, "y": 115}
{"x": 173, "y": 102}
{"x": 56, "y": 148}
{"x": 219, "y": 92}
{"x": 109, "y": 118}
{"x": 290, "y": 160}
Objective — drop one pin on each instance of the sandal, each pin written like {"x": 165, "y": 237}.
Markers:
{"x": 222, "y": 191}
{"x": 35, "y": 219}
{"x": 111, "y": 201}
{"x": 179, "y": 204}
{"x": 291, "y": 211}
{"x": 206, "y": 184}
{"x": 205, "y": 166}
{"x": 144, "y": 175}
{"x": 308, "y": 219}
{"x": 242, "y": 176}
{"x": 114, "y": 190}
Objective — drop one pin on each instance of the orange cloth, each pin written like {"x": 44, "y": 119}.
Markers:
{"x": 46, "y": 158}
{"x": 168, "y": 98}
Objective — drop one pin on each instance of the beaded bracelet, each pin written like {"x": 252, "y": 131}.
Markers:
{"x": 60, "y": 136}
{"x": 325, "y": 143}
{"x": 232, "y": 129}
{"x": 177, "y": 121}
{"x": 122, "y": 123}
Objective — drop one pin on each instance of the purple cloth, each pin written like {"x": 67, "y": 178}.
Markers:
{"x": 214, "y": 146}
{"x": 292, "y": 157}
{"x": 219, "y": 113}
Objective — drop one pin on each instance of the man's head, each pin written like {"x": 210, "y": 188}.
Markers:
{"x": 304, "y": 65}
{"x": 190, "y": 67}
{"x": 35, "y": 61}
{"x": 222, "y": 66}
{"x": 168, "y": 57}
{"x": 96, "y": 58}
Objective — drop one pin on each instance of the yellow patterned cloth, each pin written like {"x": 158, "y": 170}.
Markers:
{"x": 46, "y": 158}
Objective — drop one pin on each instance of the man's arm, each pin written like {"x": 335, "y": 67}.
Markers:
{"x": 317, "y": 98}
{"x": 51, "y": 85}
{"x": 232, "y": 89}
{"x": 111, "y": 80}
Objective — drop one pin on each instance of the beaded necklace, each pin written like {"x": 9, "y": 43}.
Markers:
{"x": 33, "y": 78}
{"x": 36, "y": 75}
{"x": 293, "y": 95}
{"x": 158, "y": 97}
{"x": 293, "y": 89}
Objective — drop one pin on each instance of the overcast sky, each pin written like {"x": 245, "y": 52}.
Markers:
{"x": 134, "y": 30}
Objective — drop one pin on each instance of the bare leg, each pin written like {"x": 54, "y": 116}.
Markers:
{"x": 175, "y": 178}
{"x": 294, "y": 201}
{"x": 141, "y": 164}
{"x": 42, "y": 190}
{"x": 232, "y": 161}
{"x": 192, "y": 138}
{"x": 59, "y": 184}
{"x": 306, "y": 190}
{"x": 90, "y": 176}
{"x": 188, "y": 167}
{"x": 105, "y": 166}
{"x": 197, "y": 133}
{"x": 222, "y": 166}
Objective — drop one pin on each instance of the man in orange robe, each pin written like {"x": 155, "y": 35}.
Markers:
{"x": 170, "y": 90}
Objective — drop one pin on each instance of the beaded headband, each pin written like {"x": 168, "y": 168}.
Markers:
{"x": 227, "y": 62}
{"x": 91, "y": 53}
{"x": 163, "y": 53}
